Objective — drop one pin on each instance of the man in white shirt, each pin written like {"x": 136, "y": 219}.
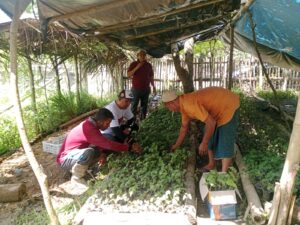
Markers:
{"x": 120, "y": 126}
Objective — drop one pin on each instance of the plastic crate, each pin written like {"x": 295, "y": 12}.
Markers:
{"x": 53, "y": 145}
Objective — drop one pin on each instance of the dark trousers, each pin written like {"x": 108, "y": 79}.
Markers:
{"x": 143, "y": 96}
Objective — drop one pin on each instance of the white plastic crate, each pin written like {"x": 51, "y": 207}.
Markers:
{"x": 53, "y": 145}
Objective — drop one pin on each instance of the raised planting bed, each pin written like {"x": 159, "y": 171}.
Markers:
{"x": 264, "y": 139}
{"x": 152, "y": 182}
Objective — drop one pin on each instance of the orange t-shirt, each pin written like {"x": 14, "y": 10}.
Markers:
{"x": 220, "y": 103}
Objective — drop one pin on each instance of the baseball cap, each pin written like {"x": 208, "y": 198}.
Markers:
{"x": 169, "y": 96}
{"x": 126, "y": 94}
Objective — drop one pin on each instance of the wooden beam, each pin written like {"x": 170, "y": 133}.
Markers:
{"x": 92, "y": 9}
{"x": 140, "y": 22}
{"x": 173, "y": 28}
{"x": 237, "y": 16}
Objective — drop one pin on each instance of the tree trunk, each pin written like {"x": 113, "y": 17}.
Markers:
{"x": 186, "y": 76}
{"x": 84, "y": 80}
{"x": 114, "y": 75}
{"x": 230, "y": 71}
{"x": 57, "y": 76}
{"x": 43, "y": 77}
{"x": 68, "y": 77}
{"x": 191, "y": 202}
{"x": 288, "y": 176}
{"x": 32, "y": 93}
{"x": 77, "y": 79}
{"x": 37, "y": 169}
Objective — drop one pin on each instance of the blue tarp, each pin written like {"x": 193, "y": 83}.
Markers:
{"x": 277, "y": 25}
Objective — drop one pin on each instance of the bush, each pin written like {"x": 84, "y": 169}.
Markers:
{"x": 60, "y": 108}
{"x": 264, "y": 142}
{"x": 10, "y": 138}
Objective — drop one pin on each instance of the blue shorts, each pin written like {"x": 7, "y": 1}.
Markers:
{"x": 223, "y": 139}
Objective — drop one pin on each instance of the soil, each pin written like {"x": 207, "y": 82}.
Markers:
{"x": 15, "y": 168}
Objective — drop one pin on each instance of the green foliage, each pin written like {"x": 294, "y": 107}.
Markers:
{"x": 33, "y": 217}
{"x": 64, "y": 103}
{"x": 282, "y": 96}
{"x": 207, "y": 47}
{"x": 86, "y": 103}
{"x": 264, "y": 142}
{"x": 156, "y": 171}
{"x": 222, "y": 181}
{"x": 9, "y": 135}
{"x": 265, "y": 170}
{"x": 61, "y": 108}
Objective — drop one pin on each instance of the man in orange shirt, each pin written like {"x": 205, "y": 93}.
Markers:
{"x": 218, "y": 108}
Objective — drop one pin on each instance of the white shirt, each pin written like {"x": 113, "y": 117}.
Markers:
{"x": 120, "y": 115}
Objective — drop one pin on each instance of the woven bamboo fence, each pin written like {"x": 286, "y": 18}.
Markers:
{"x": 247, "y": 75}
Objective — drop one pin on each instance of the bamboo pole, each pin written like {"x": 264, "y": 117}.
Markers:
{"x": 287, "y": 180}
{"x": 36, "y": 167}
{"x": 237, "y": 16}
{"x": 173, "y": 28}
{"x": 275, "y": 205}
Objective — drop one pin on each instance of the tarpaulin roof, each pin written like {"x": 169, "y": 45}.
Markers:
{"x": 7, "y": 6}
{"x": 155, "y": 24}
{"x": 277, "y": 32}
{"x": 149, "y": 24}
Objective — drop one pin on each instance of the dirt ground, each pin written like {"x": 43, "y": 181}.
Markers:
{"x": 15, "y": 168}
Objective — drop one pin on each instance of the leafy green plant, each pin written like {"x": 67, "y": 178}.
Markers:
{"x": 264, "y": 142}
{"x": 218, "y": 181}
{"x": 10, "y": 138}
{"x": 61, "y": 108}
{"x": 282, "y": 96}
{"x": 157, "y": 175}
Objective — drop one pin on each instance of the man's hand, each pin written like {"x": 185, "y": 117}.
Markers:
{"x": 136, "y": 148}
{"x": 131, "y": 72}
{"x": 173, "y": 148}
{"x": 139, "y": 65}
{"x": 126, "y": 131}
{"x": 102, "y": 159}
{"x": 203, "y": 148}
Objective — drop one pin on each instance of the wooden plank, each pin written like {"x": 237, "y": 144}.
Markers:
{"x": 78, "y": 118}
